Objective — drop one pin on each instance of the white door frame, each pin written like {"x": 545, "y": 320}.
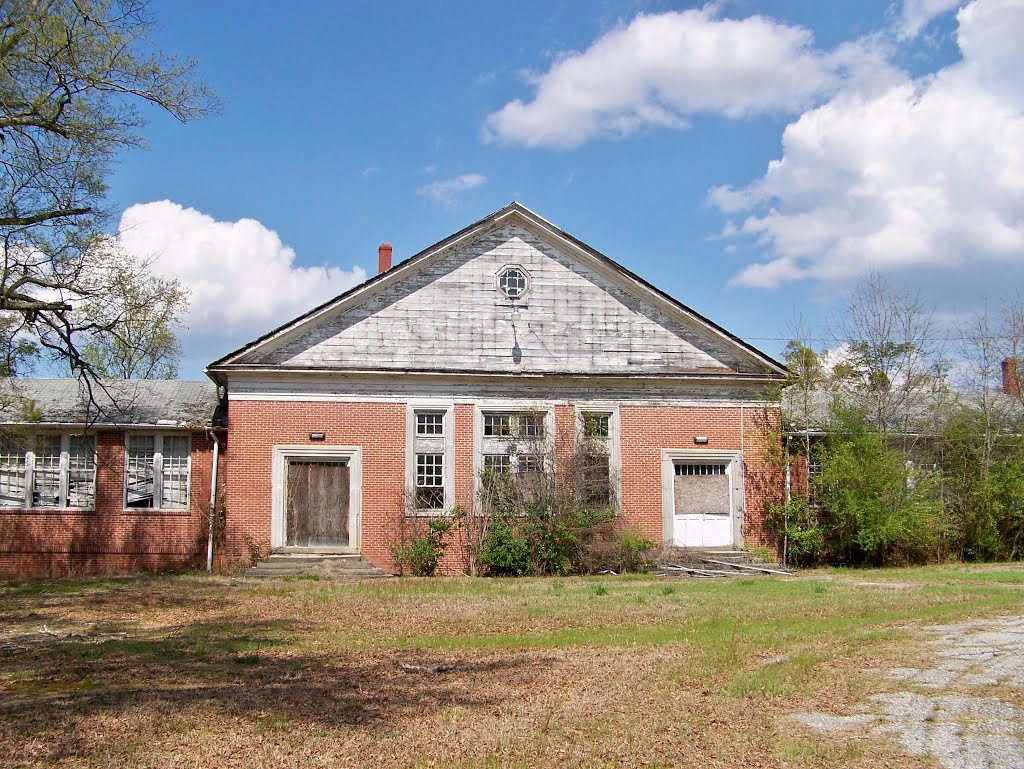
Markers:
{"x": 279, "y": 475}
{"x": 734, "y": 459}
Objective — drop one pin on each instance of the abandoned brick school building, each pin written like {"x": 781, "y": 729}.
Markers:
{"x": 503, "y": 347}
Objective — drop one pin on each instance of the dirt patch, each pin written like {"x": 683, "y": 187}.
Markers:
{"x": 961, "y": 724}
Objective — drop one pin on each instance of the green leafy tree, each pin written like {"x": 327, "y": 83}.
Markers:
{"x": 140, "y": 320}
{"x": 875, "y": 509}
{"x": 73, "y": 76}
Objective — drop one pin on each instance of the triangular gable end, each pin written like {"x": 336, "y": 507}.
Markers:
{"x": 443, "y": 310}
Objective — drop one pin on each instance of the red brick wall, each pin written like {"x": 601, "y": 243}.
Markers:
{"x": 646, "y": 430}
{"x": 380, "y": 429}
{"x": 257, "y": 426}
{"x": 109, "y": 538}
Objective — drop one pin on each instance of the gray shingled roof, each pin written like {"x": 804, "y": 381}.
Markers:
{"x": 170, "y": 403}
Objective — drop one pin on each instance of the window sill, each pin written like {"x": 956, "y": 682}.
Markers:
{"x": 48, "y": 510}
{"x": 427, "y": 514}
{"x": 162, "y": 513}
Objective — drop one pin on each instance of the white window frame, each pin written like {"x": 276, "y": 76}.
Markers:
{"x": 158, "y": 473}
{"x": 483, "y": 445}
{"x": 527, "y": 281}
{"x": 443, "y": 444}
{"x": 612, "y": 442}
{"x": 28, "y": 496}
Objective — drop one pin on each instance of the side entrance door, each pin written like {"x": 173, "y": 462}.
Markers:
{"x": 703, "y": 505}
{"x": 317, "y": 503}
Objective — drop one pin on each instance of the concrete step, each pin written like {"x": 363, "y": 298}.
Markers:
{"x": 331, "y": 566}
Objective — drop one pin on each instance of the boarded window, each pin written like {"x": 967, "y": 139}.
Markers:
{"x": 156, "y": 472}
{"x": 701, "y": 489}
{"x": 13, "y": 471}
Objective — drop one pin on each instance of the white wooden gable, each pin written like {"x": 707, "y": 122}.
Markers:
{"x": 443, "y": 311}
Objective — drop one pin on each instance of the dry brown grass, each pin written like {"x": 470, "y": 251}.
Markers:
{"x": 193, "y": 671}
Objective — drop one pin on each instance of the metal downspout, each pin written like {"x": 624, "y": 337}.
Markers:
{"x": 213, "y": 498}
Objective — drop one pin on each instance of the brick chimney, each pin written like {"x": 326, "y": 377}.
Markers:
{"x": 1011, "y": 379}
{"x": 383, "y": 257}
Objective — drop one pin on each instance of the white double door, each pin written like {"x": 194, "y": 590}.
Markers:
{"x": 702, "y": 504}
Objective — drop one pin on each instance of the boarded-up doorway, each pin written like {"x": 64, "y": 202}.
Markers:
{"x": 702, "y": 497}
{"x": 317, "y": 503}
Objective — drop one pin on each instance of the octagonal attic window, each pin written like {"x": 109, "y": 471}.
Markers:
{"x": 513, "y": 282}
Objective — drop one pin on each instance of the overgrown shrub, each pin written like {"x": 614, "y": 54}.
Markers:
{"x": 798, "y": 532}
{"x": 874, "y": 509}
{"x": 533, "y": 526}
{"x": 422, "y": 552}
{"x": 982, "y": 488}
{"x": 505, "y": 552}
{"x": 632, "y": 552}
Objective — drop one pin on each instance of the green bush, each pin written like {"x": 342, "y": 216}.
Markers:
{"x": 505, "y": 552}
{"x": 874, "y": 509}
{"x": 632, "y": 552}
{"x": 423, "y": 552}
{"x": 798, "y": 531}
{"x": 983, "y": 488}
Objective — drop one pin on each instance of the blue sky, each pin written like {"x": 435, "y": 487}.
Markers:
{"x": 752, "y": 159}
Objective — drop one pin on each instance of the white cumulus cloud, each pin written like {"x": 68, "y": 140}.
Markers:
{"x": 243, "y": 278}
{"x": 927, "y": 172}
{"x": 917, "y": 13}
{"x": 662, "y": 68}
{"x": 446, "y": 191}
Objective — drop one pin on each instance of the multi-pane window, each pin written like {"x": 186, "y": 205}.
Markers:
{"x": 156, "y": 472}
{"x": 531, "y": 425}
{"x": 429, "y": 451}
{"x": 595, "y": 483}
{"x": 513, "y": 445}
{"x": 682, "y": 469}
{"x": 81, "y": 471}
{"x": 174, "y": 489}
{"x": 13, "y": 472}
{"x": 528, "y": 463}
{"x": 497, "y": 425}
{"x": 48, "y": 471}
{"x": 514, "y": 425}
{"x": 498, "y": 463}
{"x": 429, "y": 481}
{"x": 513, "y": 282}
{"x": 596, "y": 425}
{"x": 429, "y": 423}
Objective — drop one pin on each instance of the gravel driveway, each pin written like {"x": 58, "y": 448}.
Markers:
{"x": 935, "y": 717}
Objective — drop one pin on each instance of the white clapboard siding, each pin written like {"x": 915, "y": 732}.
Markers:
{"x": 450, "y": 316}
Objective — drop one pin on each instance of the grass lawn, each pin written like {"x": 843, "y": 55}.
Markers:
{"x": 197, "y": 671}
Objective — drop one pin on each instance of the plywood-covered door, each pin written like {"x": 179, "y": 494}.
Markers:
{"x": 703, "y": 505}
{"x": 317, "y": 509}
